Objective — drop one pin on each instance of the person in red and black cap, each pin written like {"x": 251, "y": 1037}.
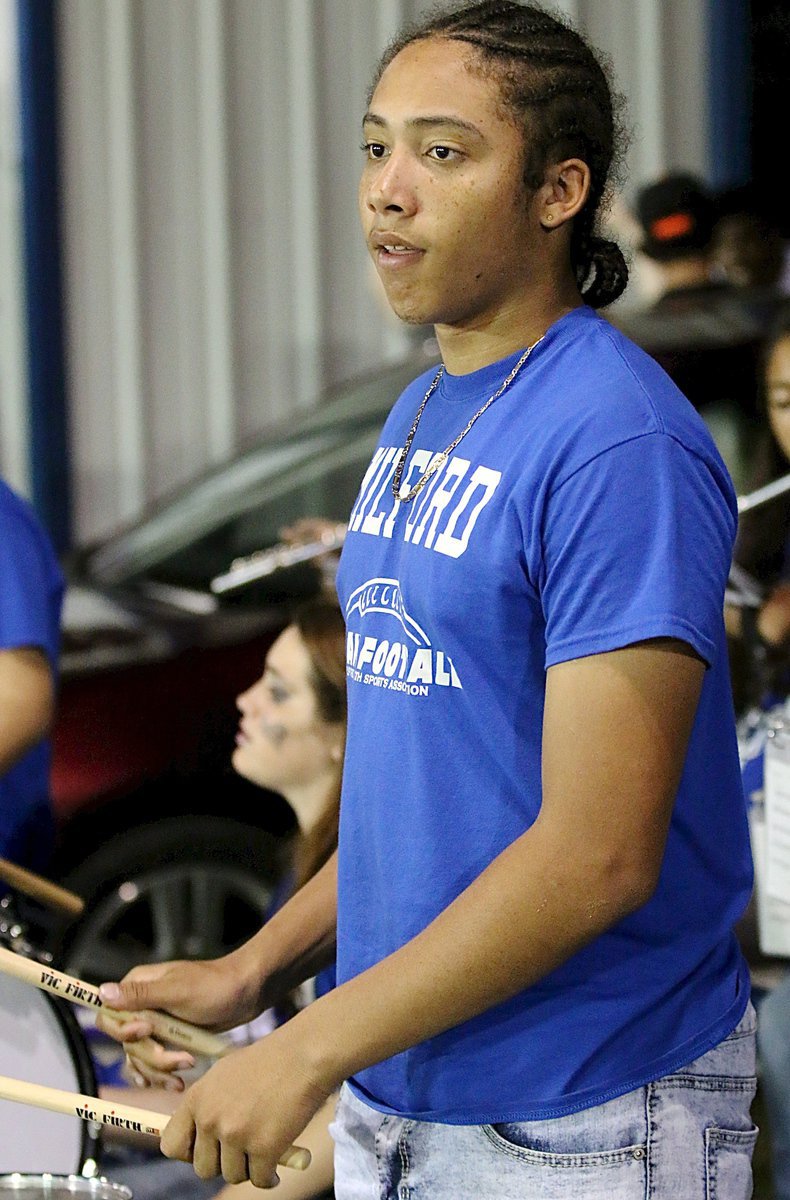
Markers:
{"x": 677, "y": 215}
{"x": 698, "y": 327}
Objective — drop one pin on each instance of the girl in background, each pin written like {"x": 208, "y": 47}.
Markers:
{"x": 290, "y": 740}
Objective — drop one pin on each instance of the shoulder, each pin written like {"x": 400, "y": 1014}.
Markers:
{"x": 599, "y": 391}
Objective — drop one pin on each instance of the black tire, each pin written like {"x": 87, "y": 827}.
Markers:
{"x": 183, "y": 887}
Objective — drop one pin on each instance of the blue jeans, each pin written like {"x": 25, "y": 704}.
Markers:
{"x": 688, "y": 1136}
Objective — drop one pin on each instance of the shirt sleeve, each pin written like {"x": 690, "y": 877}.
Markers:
{"x": 30, "y": 584}
{"x": 637, "y": 544}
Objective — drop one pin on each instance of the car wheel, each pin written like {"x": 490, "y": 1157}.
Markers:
{"x": 186, "y": 887}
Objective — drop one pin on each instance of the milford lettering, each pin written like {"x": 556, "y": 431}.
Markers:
{"x": 442, "y": 517}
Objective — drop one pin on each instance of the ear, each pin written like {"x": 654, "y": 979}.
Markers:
{"x": 564, "y": 192}
{"x": 336, "y": 753}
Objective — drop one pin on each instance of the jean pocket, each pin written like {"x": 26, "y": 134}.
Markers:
{"x": 728, "y": 1162}
{"x": 528, "y": 1141}
{"x": 549, "y": 1169}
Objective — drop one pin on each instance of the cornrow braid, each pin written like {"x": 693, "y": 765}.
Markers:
{"x": 558, "y": 91}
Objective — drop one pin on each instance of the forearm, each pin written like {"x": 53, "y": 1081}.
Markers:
{"x": 537, "y": 904}
{"x": 294, "y": 944}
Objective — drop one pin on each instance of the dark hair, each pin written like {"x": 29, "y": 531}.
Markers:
{"x": 558, "y": 90}
{"x": 762, "y": 531}
{"x": 322, "y": 628}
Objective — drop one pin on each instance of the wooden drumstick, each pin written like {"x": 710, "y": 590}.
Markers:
{"x": 105, "y": 1112}
{"x": 169, "y": 1029}
{"x": 41, "y": 889}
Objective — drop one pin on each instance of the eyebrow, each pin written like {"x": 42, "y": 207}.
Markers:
{"x": 439, "y": 121}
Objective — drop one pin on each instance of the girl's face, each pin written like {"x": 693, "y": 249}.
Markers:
{"x": 283, "y": 742}
{"x": 777, "y": 392}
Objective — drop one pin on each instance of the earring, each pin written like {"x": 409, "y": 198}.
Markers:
{"x": 548, "y": 218}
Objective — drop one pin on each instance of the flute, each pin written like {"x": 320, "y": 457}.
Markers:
{"x": 283, "y": 554}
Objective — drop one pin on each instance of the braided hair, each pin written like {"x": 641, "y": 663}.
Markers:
{"x": 558, "y": 91}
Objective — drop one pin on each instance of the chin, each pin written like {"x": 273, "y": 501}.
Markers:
{"x": 242, "y": 766}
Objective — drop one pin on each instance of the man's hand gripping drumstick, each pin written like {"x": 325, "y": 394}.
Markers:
{"x": 123, "y": 1116}
{"x": 66, "y": 987}
{"x": 242, "y": 1115}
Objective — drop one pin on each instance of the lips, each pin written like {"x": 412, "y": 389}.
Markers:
{"x": 392, "y": 243}
{"x": 391, "y": 251}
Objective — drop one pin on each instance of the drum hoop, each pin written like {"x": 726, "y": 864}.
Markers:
{"x": 74, "y": 1184}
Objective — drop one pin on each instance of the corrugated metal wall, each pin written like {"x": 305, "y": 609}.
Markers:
{"x": 13, "y": 373}
{"x": 215, "y": 276}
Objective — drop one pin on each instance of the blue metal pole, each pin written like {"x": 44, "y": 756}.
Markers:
{"x": 49, "y": 460}
{"x": 730, "y": 91}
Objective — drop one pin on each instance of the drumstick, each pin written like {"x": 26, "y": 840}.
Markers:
{"x": 170, "y": 1029}
{"x": 41, "y": 889}
{"x": 105, "y": 1112}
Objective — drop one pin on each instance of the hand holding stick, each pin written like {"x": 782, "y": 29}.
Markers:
{"x": 120, "y": 1116}
{"x": 167, "y": 1028}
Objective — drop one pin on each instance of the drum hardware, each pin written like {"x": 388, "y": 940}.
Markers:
{"x": 276, "y": 558}
{"x": 14, "y": 930}
{"x": 61, "y": 1187}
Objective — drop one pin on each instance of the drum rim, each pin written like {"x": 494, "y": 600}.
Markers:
{"x": 12, "y": 1181}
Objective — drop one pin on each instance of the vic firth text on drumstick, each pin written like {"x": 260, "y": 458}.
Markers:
{"x": 171, "y": 1029}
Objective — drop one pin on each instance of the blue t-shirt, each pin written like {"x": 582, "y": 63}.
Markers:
{"x": 31, "y": 595}
{"x": 587, "y": 509}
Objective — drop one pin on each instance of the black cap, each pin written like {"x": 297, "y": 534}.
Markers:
{"x": 677, "y": 214}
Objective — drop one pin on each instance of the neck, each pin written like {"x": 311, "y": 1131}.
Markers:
{"x": 468, "y": 347}
{"x": 310, "y": 801}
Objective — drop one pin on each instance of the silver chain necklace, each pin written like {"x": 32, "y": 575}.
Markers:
{"x": 439, "y": 460}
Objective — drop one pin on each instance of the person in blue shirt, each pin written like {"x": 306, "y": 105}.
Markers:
{"x": 31, "y": 596}
{"x": 543, "y": 846}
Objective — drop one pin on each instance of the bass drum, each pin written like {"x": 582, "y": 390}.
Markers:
{"x": 41, "y": 1042}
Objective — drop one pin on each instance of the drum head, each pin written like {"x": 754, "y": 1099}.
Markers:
{"x": 41, "y": 1042}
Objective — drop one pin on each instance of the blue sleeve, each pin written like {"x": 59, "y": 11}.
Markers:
{"x": 637, "y": 544}
{"x": 31, "y": 582}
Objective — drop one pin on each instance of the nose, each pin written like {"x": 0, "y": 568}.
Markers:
{"x": 246, "y": 700}
{"x": 390, "y": 185}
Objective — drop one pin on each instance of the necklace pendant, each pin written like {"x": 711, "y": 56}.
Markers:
{"x": 435, "y": 465}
